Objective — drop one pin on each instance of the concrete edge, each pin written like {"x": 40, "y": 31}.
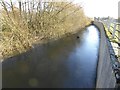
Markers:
{"x": 103, "y": 38}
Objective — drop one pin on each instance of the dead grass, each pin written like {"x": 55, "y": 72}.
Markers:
{"x": 33, "y": 21}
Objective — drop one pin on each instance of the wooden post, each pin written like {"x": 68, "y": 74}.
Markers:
{"x": 114, "y": 29}
{"x": 1, "y": 25}
{"x": 119, "y": 42}
{"x": 109, "y": 23}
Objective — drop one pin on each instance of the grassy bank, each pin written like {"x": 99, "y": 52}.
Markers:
{"x": 31, "y": 21}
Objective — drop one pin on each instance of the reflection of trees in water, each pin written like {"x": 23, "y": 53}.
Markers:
{"x": 48, "y": 65}
{"x": 25, "y": 70}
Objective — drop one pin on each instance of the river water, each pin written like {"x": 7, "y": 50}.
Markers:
{"x": 67, "y": 63}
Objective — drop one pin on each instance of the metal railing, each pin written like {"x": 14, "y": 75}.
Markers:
{"x": 111, "y": 23}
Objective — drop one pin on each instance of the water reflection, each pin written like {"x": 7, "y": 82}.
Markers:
{"x": 66, "y": 63}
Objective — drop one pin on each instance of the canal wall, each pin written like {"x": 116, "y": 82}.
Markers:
{"x": 105, "y": 73}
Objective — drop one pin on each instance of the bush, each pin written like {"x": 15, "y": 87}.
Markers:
{"x": 32, "y": 21}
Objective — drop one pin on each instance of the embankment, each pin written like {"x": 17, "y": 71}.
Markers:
{"x": 105, "y": 74}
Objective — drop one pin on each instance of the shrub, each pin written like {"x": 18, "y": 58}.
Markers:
{"x": 30, "y": 21}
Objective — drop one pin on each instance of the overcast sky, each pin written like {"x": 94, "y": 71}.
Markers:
{"x": 100, "y": 7}
{"x": 97, "y": 8}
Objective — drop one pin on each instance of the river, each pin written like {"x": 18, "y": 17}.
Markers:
{"x": 67, "y": 63}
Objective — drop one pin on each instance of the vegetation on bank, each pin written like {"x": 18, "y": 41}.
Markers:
{"x": 36, "y": 21}
{"x": 110, "y": 33}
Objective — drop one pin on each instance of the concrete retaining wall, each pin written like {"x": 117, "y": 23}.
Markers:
{"x": 105, "y": 75}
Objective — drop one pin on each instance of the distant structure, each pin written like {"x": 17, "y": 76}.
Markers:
{"x": 105, "y": 19}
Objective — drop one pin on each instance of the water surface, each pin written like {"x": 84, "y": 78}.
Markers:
{"x": 67, "y": 63}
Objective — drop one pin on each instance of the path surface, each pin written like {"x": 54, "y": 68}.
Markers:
{"x": 66, "y": 63}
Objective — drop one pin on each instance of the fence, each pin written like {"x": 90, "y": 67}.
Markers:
{"x": 111, "y": 23}
{"x": 113, "y": 27}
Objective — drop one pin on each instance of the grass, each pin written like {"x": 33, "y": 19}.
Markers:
{"x": 37, "y": 22}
